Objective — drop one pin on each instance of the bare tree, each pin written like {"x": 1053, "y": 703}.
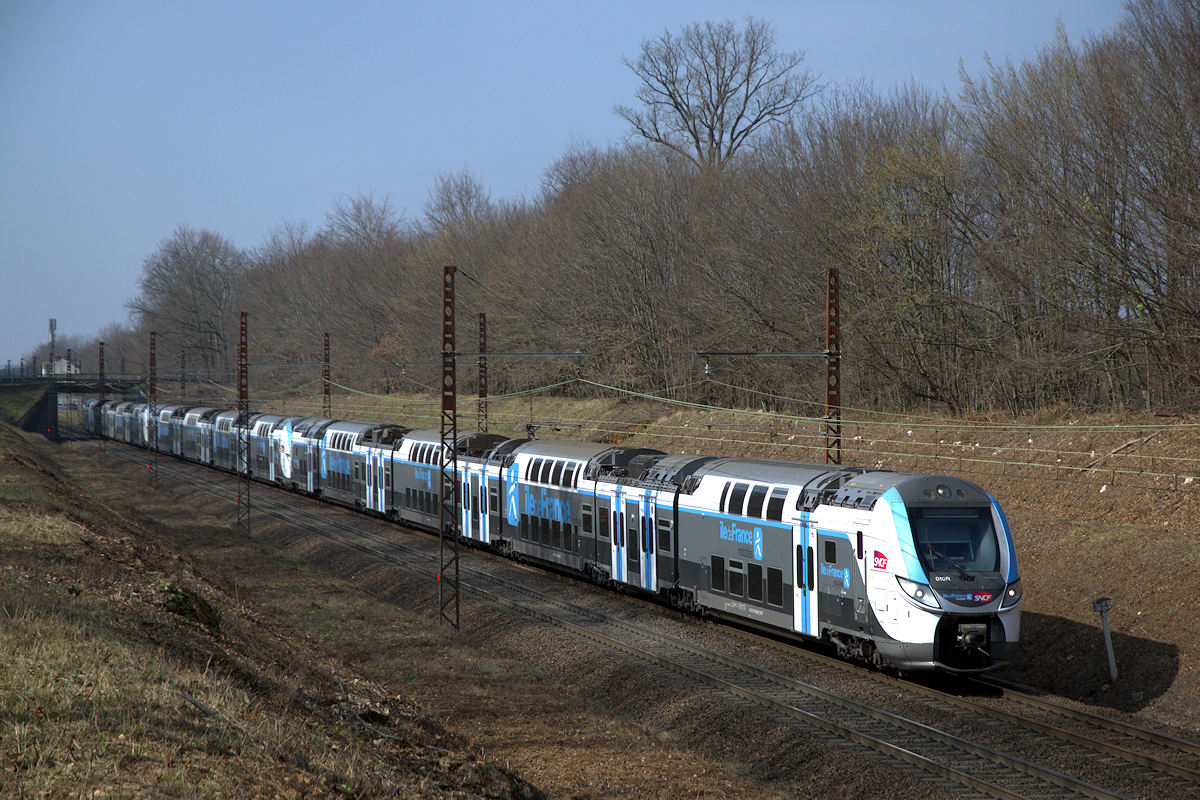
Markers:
{"x": 187, "y": 291}
{"x": 705, "y": 92}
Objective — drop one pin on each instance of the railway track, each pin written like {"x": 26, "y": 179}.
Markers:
{"x": 1104, "y": 758}
{"x": 1153, "y": 759}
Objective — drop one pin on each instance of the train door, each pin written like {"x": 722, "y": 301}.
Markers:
{"x": 665, "y": 565}
{"x": 321, "y": 471}
{"x": 381, "y": 479}
{"x": 376, "y": 480}
{"x": 861, "y": 615}
{"x": 369, "y": 482}
{"x": 804, "y": 599}
{"x": 646, "y": 566}
{"x": 603, "y": 535}
{"x": 476, "y": 515}
{"x": 270, "y": 445}
{"x": 618, "y": 538}
{"x": 633, "y": 552}
{"x": 638, "y": 531}
{"x": 491, "y": 516}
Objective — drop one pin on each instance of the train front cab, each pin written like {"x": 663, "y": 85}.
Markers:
{"x": 953, "y": 589}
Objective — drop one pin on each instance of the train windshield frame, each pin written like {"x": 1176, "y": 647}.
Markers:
{"x": 955, "y": 539}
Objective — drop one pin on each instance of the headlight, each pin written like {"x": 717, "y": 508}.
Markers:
{"x": 919, "y": 592}
{"x": 1012, "y": 595}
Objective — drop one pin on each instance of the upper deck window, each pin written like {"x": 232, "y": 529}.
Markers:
{"x": 737, "y": 498}
{"x": 758, "y": 496}
{"x": 775, "y": 504}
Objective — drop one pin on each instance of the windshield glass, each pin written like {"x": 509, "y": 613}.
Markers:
{"x": 955, "y": 539}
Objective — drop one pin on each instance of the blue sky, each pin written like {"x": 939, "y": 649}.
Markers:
{"x": 121, "y": 120}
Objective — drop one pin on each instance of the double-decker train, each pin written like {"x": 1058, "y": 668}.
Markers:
{"x": 916, "y": 572}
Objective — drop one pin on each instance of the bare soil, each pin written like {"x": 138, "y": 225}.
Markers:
{"x": 315, "y": 640}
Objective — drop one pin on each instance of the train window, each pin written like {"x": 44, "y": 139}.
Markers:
{"x": 830, "y": 551}
{"x": 812, "y": 582}
{"x": 556, "y": 475}
{"x": 724, "y": 497}
{"x": 547, "y": 468}
{"x": 775, "y": 504}
{"x": 955, "y": 539}
{"x": 545, "y": 531}
{"x": 494, "y": 499}
{"x": 569, "y": 476}
{"x": 754, "y": 582}
{"x": 556, "y": 534}
{"x": 525, "y": 526}
{"x": 357, "y": 471}
{"x": 737, "y": 578}
{"x": 718, "y": 574}
{"x": 387, "y": 476}
{"x": 586, "y": 514}
{"x": 408, "y": 503}
{"x": 774, "y": 586}
{"x": 737, "y": 497}
{"x": 602, "y": 517}
{"x": 664, "y": 535}
{"x": 799, "y": 566}
{"x": 757, "y": 497}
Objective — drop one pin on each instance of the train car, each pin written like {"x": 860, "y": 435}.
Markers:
{"x": 170, "y": 429}
{"x": 543, "y": 476}
{"x": 261, "y": 443}
{"x": 227, "y": 426}
{"x": 914, "y": 571}
{"x": 308, "y": 442}
{"x": 197, "y": 434}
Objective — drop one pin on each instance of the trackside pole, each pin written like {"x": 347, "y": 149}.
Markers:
{"x": 1102, "y": 606}
{"x": 152, "y": 408}
{"x": 833, "y": 369}
{"x": 243, "y": 433}
{"x": 326, "y": 404}
{"x": 448, "y": 544}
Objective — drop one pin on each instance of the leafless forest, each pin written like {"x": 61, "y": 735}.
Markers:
{"x": 1033, "y": 239}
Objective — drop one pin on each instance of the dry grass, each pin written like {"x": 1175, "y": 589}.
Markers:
{"x": 126, "y": 675}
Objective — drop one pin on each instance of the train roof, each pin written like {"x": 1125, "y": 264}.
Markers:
{"x": 557, "y": 448}
{"x": 472, "y": 443}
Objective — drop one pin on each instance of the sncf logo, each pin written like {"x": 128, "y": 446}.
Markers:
{"x": 983, "y": 597}
{"x": 880, "y": 561}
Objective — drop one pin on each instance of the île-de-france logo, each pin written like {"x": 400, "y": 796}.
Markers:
{"x": 758, "y": 544}
{"x": 512, "y": 505}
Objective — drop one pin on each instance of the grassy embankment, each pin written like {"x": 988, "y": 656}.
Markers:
{"x": 126, "y": 674}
